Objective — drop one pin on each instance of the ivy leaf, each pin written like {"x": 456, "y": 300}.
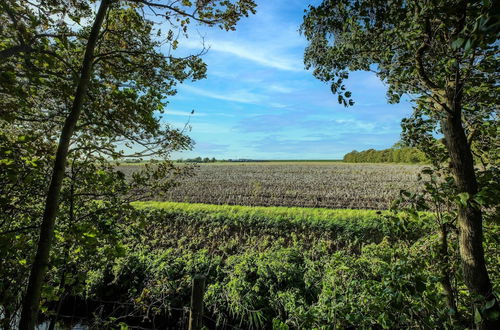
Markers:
{"x": 457, "y": 43}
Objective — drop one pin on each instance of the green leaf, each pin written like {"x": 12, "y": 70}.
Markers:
{"x": 463, "y": 198}
{"x": 457, "y": 43}
{"x": 477, "y": 316}
{"x": 489, "y": 303}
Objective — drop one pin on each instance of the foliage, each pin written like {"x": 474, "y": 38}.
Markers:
{"x": 91, "y": 222}
{"x": 392, "y": 39}
{"x": 439, "y": 199}
{"x": 23, "y": 168}
{"x": 391, "y": 155}
{"x": 368, "y": 224}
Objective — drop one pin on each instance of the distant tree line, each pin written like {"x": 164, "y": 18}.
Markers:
{"x": 391, "y": 155}
{"x": 197, "y": 160}
{"x": 213, "y": 160}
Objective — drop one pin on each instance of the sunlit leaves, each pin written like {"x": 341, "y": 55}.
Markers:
{"x": 356, "y": 35}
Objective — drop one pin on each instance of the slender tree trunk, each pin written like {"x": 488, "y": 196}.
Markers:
{"x": 445, "y": 274}
{"x": 469, "y": 216}
{"x": 39, "y": 267}
{"x": 62, "y": 283}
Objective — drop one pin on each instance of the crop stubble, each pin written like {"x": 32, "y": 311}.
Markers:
{"x": 329, "y": 185}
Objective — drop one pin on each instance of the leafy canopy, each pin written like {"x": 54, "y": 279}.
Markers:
{"x": 416, "y": 47}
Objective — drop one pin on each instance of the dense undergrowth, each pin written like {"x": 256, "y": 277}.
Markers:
{"x": 283, "y": 268}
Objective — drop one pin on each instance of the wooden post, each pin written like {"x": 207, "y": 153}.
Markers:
{"x": 196, "y": 312}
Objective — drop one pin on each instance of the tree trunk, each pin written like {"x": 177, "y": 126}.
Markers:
{"x": 469, "y": 216}
{"x": 39, "y": 267}
{"x": 445, "y": 274}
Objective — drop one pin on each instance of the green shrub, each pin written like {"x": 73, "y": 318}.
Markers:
{"x": 284, "y": 268}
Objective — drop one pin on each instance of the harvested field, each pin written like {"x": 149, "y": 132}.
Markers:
{"x": 311, "y": 184}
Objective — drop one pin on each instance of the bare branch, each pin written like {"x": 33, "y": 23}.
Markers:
{"x": 175, "y": 10}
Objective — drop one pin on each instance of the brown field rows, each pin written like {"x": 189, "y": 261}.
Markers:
{"x": 311, "y": 184}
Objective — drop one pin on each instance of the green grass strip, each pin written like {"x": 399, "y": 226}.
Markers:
{"x": 232, "y": 211}
{"x": 366, "y": 225}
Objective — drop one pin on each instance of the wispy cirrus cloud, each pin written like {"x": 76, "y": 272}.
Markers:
{"x": 206, "y": 147}
{"x": 322, "y": 146}
{"x": 299, "y": 120}
{"x": 241, "y": 95}
{"x": 252, "y": 53}
{"x": 184, "y": 113}
{"x": 281, "y": 89}
{"x": 200, "y": 127}
{"x": 238, "y": 95}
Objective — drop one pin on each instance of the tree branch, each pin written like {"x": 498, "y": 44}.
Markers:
{"x": 14, "y": 50}
{"x": 419, "y": 59}
{"x": 176, "y": 10}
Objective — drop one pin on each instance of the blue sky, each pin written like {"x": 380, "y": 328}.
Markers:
{"x": 259, "y": 102}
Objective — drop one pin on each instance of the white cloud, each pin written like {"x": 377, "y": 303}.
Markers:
{"x": 184, "y": 113}
{"x": 356, "y": 124}
{"x": 209, "y": 128}
{"x": 242, "y": 96}
{"x": 195, "y": 127}
{"x": 255, "y": 53}
{"x": 277, "y": 105}
{"x": 223, "y": 114}
{"x": 281, "y": 88}
{"x": 198, "y": 113}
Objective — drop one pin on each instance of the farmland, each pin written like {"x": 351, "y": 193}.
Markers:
{"x": 294, "y": 184}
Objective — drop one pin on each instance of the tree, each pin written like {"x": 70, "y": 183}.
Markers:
{"x": 445, "y": 55}
{"x": 105, "y": 83}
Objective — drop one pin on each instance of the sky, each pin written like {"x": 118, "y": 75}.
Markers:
{"x": 259, "y": 102}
